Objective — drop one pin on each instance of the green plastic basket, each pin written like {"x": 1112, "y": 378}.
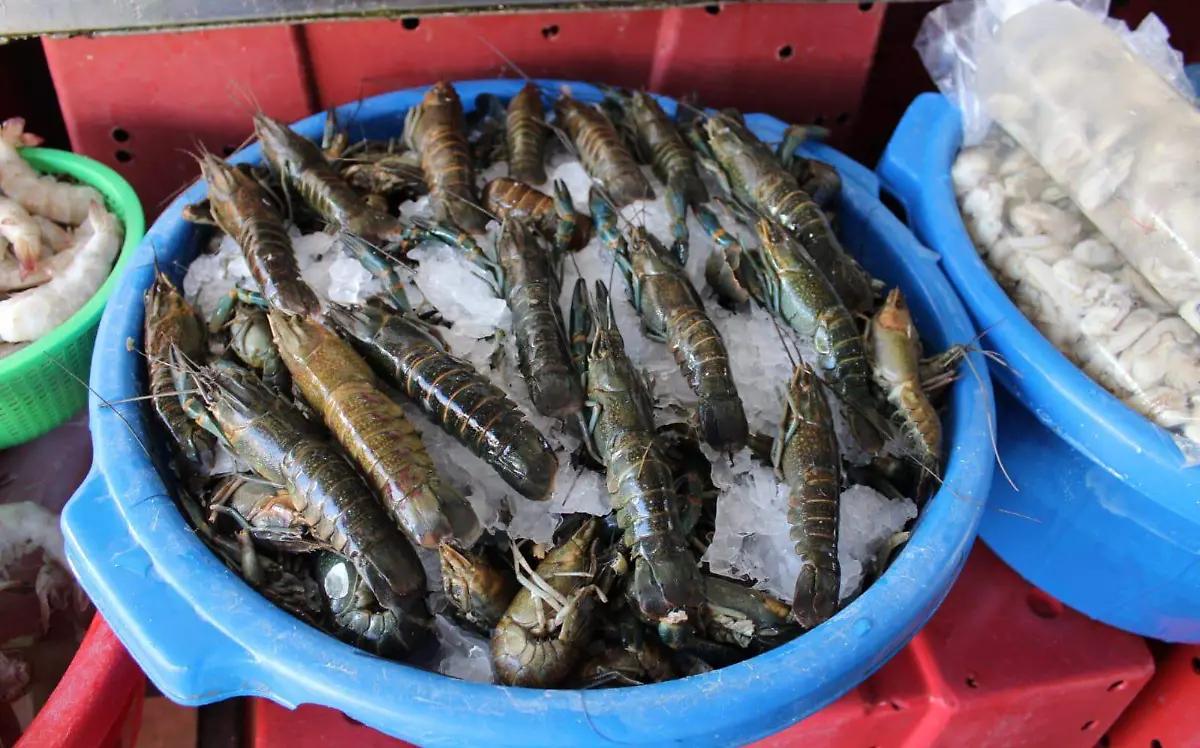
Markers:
{"x": 36, "y": 391}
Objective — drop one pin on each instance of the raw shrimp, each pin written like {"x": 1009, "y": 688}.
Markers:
{"x": 277, "y": 442}
{"x": 374, "y": 432}
{"x": 22, "y": 232}
{"x": 44, "y": 195}
{"x": 54, "y": 236}
{"x": 31, "y": 314}
{"x": 13, "y": 279}
{"x": 544, "y": 631}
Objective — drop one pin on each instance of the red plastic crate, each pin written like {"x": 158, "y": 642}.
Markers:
{"x": 999, "y": 664}
{"x": 98, "y": 702}
{"x": 1166, "y": 714}
{"x": 139, "y": 103}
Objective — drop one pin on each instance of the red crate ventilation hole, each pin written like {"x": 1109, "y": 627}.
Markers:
{"x": 999, "y": 664}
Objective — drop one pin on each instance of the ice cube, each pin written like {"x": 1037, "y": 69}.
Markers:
{"x": 463, "y": 655}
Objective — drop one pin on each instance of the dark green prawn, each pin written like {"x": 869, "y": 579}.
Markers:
{"x": 756, "y": 179}
{"x": 666, "y": 582}
{"x": 787, "y": 282}
{"x": 279, "y": 444}
{"x": 450, "y": 391}
{"x": 806, "y": 459}
{"x": 301, "y": 164}
{"x": 529, "y": 285}
{"x": 672, "y": 312}
{"x": 172, "y": 324}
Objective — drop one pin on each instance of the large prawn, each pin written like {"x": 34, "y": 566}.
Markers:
{"x": 666, "y": 582}
{"x": 301, "y": 164}
{"x": 279, "y": 444}
{"x": 788, "y": 283}
{"x": 672, "y": 313}
{"x": 243, "y": 210}
{"x": 806, "y": 459}
{"x": 459, "y": 399}
{"x": 171, "y": 323}
{"x": 435, "y": 129}
{"x": 758, "y": 181}
{"x": 895, "y": 354}
{"x": 555, "y": 217}
{"x": 544, "y": 631}
{"x": 602, "y": 153}
{"x": 529, "y": 286}
{"x": 374, "y": 431}
{"x": 526, "y": 135}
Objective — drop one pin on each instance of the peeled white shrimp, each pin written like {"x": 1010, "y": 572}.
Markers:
{"x": 19, "y": 228}
{"x": 54, "y": 236}
{"x": 44, "y": 195}
{"x": 31, "y": 314}
{"x": 13, "y": 279}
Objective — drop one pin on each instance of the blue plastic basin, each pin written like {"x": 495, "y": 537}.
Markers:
{"x": 201, "y": 634}
{"x": 1106, "y": 517}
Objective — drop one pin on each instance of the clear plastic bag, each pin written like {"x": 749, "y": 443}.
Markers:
{"x": 1107, "y": 112}
{"x": 953, "y": 36}
{"x": 1107, "y": 129}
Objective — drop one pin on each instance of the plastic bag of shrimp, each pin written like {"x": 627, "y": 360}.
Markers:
{"x": 1078, "y": 208}
{"x": 1107, "y": 112}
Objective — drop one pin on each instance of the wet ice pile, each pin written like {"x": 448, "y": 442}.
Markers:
{"x": 751, "y": 540}
{"x": 1077, "y": 288}
{"x": 324, "y": 265}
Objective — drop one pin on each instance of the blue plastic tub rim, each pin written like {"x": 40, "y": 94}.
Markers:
{"x": 201, "y": 634}
{"x": 915, "y": 168}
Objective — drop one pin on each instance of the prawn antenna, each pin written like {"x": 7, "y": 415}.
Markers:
{"x": 507, "y": 60}
{"x": 792, "y": 359}
{"x": 101, "y": 398}
{"x": 241, "y": 95}
{"x": 991, "y": 426}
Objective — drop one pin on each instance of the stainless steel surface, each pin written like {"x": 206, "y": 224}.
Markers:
{"x": 68, "y": 17}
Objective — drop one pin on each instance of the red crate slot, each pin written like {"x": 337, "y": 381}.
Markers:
{"x": 145, "y": 104}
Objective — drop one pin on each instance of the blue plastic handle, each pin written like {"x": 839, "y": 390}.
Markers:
{"x": 111, "y": 566}
{"x": 215, "y": 637}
